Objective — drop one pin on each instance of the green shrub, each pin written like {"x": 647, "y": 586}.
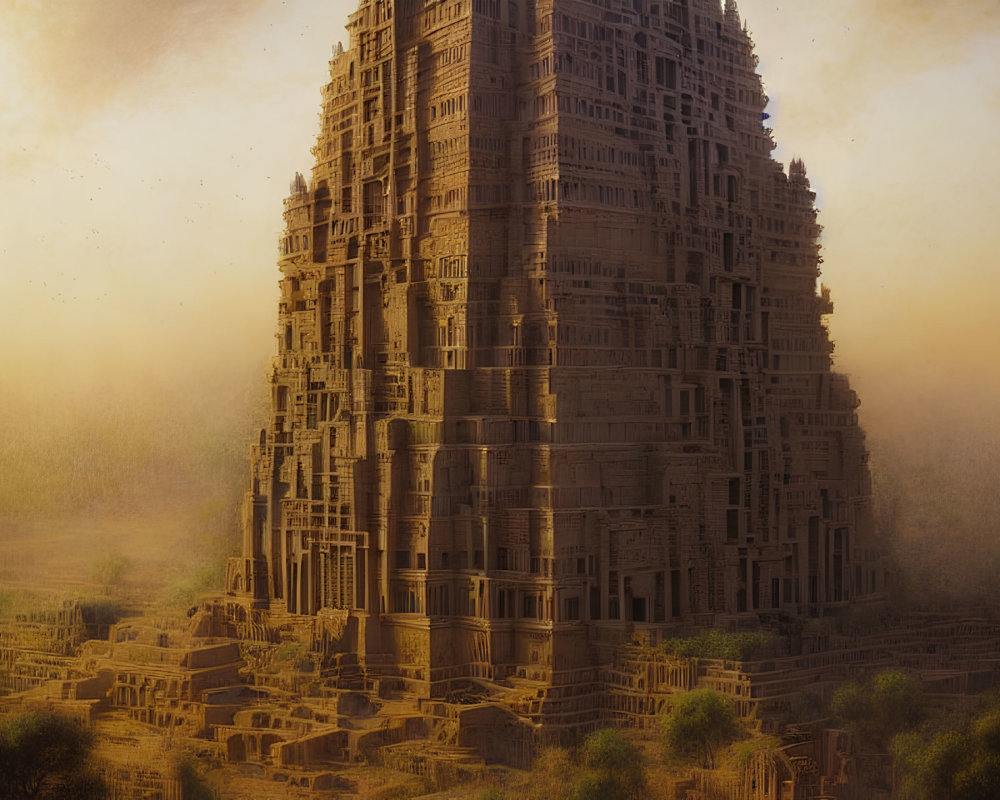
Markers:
{"x": 889, "y": 703}
{"x": 184, "y": 590}
{"x": 613, "y": 768}
{"x": 962, "y": 763}
{"x": 46, "y": 756}
{"x": 714, "y": 643}
{"x": 696, "y": 725}
{"x": 744, "y": 752}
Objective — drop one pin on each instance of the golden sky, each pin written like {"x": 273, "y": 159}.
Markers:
{"x": 895, "y": 106}
{"x": 147, "y": 146}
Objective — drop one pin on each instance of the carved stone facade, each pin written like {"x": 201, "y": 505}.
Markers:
{"x": 551, "y": 362}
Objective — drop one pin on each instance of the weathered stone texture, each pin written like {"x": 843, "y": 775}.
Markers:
{"x": 551, "y": 363}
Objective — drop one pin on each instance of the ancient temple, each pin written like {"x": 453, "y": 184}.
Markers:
{"x": 552, "y": 367}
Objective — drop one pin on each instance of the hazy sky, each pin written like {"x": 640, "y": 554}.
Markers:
{"x": 895, "y": 107}
{"x": 147, "y": 145}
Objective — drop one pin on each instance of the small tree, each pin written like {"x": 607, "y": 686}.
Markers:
{"x": 898, "y": 701}
{"x": 850, "y": 704}
{"x": 924, "y": 768}
{"x": 613, "y": 768}
{"x": 888, "y": 704}
{"x": 45, "y": 756}
{"x": 697, "y": 725}
{"x": 962, "y": 764}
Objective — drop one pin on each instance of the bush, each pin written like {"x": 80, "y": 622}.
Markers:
{"x": 713, "y": 643}
{"x": 184, "y": 590}
{"x": 613, "y": 768}
{"x": 550, "y": 775}
{"x": 959, "y": 764}
{"x": 608, "y": 767}
{"x": 47, "y": 756}
{"x": 888, "y": 704}
{"x": 697, "y": 725}
{"x": 744, "y": 752}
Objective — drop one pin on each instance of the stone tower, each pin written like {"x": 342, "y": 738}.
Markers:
{"x": 551, "y": 364}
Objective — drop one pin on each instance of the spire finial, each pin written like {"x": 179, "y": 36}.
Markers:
{"x": 732, "y": 12}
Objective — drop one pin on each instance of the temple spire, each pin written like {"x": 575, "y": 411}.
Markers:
{"x": 732, "y": 12}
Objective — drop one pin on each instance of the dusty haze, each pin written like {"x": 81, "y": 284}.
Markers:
{"x": 146, "y": 150}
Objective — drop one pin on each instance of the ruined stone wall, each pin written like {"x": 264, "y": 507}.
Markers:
{"x": 551, "y": 363}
